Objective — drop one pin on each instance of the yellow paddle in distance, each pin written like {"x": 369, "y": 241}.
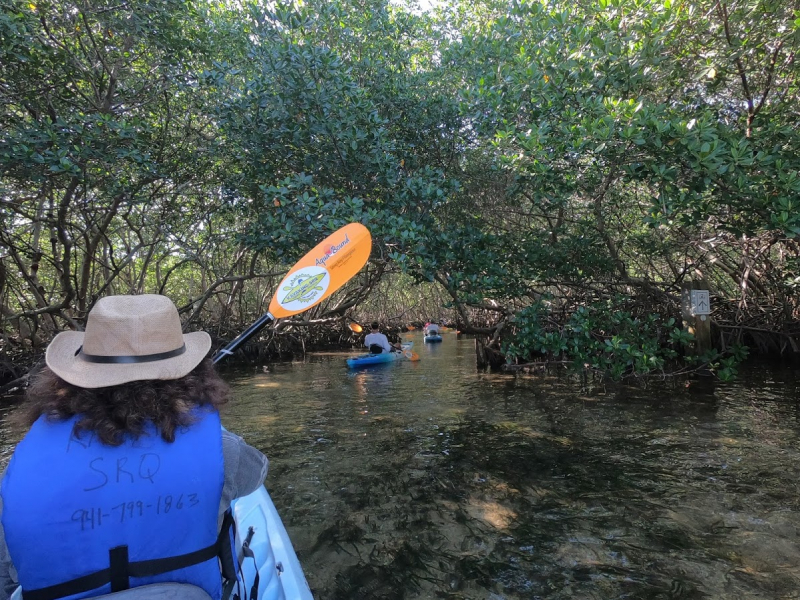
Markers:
{"x": 326, "y": 268}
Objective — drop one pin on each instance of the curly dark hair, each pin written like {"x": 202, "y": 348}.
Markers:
{"x": 112, "y": 413}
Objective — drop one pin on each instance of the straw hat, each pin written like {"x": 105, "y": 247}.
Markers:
{"x": 127, "y": 338}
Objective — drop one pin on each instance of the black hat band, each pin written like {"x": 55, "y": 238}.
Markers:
{"x": 127, "y": 360}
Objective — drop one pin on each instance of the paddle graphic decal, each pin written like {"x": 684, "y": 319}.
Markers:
{"x": 304, "y": 287}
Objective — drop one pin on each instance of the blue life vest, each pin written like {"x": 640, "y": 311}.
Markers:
{"x": 83, "y": 519}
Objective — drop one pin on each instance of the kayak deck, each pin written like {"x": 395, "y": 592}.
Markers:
{"x": 280, "y": 574}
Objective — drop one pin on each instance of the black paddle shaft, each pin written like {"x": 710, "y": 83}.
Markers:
{"x": 265, "y": 320}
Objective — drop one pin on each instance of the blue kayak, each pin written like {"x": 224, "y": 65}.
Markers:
{"x": 365, "y": 360}
{"x": 429, "y": 339}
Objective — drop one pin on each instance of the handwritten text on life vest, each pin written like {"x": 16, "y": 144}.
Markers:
{"x": 89, "y": 518}
{"x": 135, "y": 468}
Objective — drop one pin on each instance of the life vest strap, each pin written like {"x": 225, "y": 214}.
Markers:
{"x": 118, "y": 573}
{"x": 118, "y": 565}
{"x": 225, "y": 547}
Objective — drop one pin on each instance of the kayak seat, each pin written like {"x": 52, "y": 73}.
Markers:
{"x": 375, "y": 349}
{"x": 154, "y": 591}
{"x": 161, "y": 591}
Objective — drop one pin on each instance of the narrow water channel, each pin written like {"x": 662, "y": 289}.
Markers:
{"x": 431, "y": 480}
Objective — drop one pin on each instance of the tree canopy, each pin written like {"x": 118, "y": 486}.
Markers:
{"x": 524, "y": 163}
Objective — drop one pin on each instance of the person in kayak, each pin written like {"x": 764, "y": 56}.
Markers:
{"x": 377, "y": 342}
{"x": 432, "y": 328}
{"x": 126, "y": 474}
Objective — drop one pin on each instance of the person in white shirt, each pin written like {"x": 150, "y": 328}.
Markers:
{"x": 378, "y": 342}
{"x": 432, "y": 328}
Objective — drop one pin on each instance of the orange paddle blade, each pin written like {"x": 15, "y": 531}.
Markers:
{"x": 410, "y": 355}
{"x": 326, "y": 268}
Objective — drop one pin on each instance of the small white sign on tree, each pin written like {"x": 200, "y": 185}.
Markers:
{"x": 701, "y": 303}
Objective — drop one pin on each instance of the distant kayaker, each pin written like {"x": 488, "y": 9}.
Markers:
{"x": 377, "y": 342}
{"x": 125, "y": 475}
{"x": 432, "y": 328}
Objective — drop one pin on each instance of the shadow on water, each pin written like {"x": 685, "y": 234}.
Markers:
{"x": 431, "y": 480}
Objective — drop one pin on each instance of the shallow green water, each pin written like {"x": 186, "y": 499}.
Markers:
{"x": 431, "y": 480}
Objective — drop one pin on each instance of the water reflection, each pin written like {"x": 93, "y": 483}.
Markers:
{"x": 429, "y": 480}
